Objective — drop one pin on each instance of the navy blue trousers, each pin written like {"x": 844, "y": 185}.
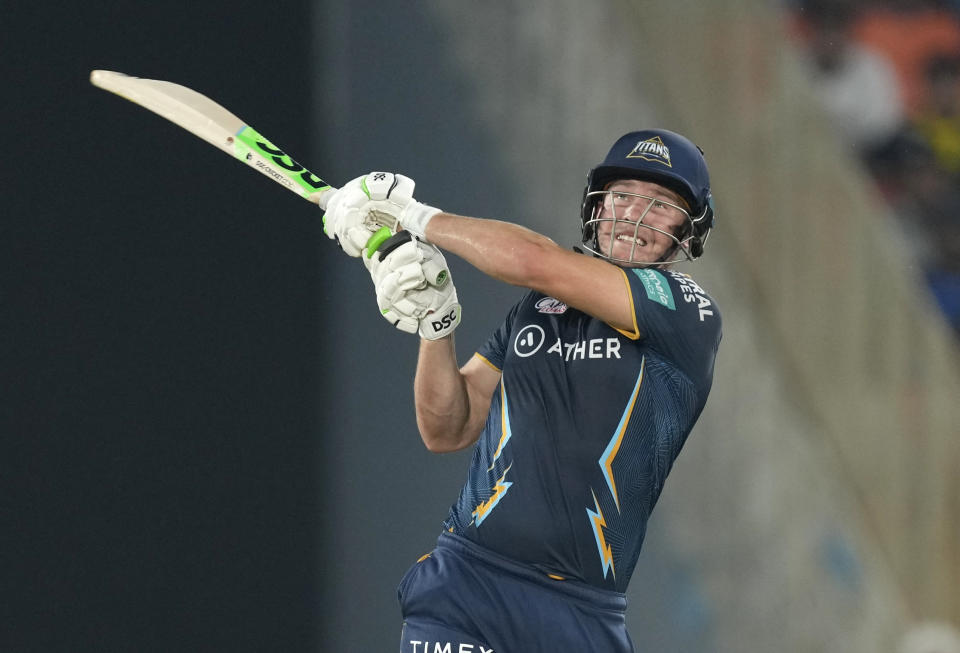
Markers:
{"x": 462, "y": 598}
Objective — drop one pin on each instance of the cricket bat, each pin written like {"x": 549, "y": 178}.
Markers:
{"x": 203, "y": 117}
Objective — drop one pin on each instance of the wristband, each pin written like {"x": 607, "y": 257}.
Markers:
{"x": 415, "y": 216}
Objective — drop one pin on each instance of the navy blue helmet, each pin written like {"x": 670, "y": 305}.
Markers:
{"x": 662, "y": 157}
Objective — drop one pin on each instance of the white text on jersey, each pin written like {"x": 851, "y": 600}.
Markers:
{"x": 693, "y": 293}
{"x": 593, "y": 348}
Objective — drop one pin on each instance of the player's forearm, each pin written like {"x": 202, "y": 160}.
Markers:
{"x": 503, "y": 250}
{"x": 441, "y": 398}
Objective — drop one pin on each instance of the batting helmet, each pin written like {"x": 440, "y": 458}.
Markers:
{"x": 663, "y": 157}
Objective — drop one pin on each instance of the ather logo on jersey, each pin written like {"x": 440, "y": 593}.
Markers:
{"x": 528, "y": 341}
{"x": 531, "y": 338}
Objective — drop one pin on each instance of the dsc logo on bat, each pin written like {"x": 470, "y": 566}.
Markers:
{"x": 287, "y": 171}
{"x": 286, "y": 162}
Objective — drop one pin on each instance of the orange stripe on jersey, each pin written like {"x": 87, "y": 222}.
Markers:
{"x": 499, "y": 490}
{"x": 635, "y": 335}
{"x": 495, "y": 368}
{"x": 598, "y": 522}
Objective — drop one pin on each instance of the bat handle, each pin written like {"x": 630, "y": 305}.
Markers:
{"x": 377, "y": 239}
{"x": 387, "y": 222}
{"x": 320, "y": 198}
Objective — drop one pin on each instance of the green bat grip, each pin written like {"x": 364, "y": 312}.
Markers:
{"x": 377, "y": 239}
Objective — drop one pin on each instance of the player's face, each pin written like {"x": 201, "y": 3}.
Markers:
{"x": 636, "y": 221}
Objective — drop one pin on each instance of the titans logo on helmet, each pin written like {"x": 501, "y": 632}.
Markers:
{"x": 652, "y": 149}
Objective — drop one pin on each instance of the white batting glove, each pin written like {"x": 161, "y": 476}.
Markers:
{"x": 348, "y": 218}
{"x": 397, "y": 209}
{"x": 414, "y": 290}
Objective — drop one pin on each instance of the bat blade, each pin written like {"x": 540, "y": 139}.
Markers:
{"x": 206, "y": 119}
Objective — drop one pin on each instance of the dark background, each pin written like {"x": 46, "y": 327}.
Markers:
{"x": 160, "y": 349}
{"x": 208, "y": 432}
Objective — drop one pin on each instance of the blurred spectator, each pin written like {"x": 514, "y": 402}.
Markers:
{"x": 928, "y": 206}
{"x": 939, "y": 120}
{"x": 857, "y": 86}
{"x": 855, "y": 49}
{"x": 911, "y": 33}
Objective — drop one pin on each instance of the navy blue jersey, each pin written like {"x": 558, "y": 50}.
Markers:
{"x": 584, "y": 427}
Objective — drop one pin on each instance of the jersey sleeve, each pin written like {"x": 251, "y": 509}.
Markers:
{"x": 494, "y": 350}
{"x": 675, "y": 316}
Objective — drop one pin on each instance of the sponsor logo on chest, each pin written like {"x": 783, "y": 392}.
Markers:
{"x": 532, "y": 339}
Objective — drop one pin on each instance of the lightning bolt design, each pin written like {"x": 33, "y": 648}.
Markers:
{"x": 606, "y": 460}
{"x": 505, "y": 430}
{"x": 599, "y": 523}
{"x": 499, "y": 491}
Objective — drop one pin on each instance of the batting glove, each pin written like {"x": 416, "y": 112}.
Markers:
{"x": 348, "y": 218}
{"x": 393, "y": 205}
{"x": 415, "y": 292}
